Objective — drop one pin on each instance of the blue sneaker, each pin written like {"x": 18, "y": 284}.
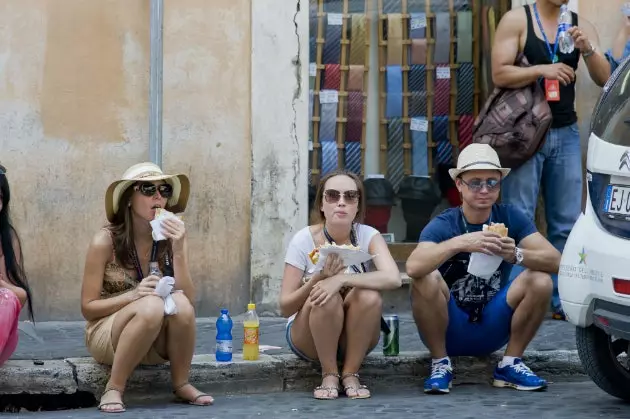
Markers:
{"x": 441, "y": 378}
{"x": 518, "y": 376}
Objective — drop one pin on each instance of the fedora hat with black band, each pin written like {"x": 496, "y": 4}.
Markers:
{"x": 478, "y": 157}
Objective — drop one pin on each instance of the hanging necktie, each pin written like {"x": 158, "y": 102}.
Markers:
{"x": 356, "y": 6}
{"x": 417, "y": 78}
{"x": 461, "y": 5}
{"x": 332, "y": 77}
{"x": 418, "y": 103}
{"x": 392, "y": 6}
{"x": 394, "y": 101}
{"x": 311, "y": 97}
{"x": 394, "y": 39}
{"x": 353, "y": 157}
{"x": 465, "y": 89}
{"x": 415, "y": 6}
{"x": 442, "y": 98}
{"x": 417, "y": 34}
{"x": 440, "y": 6}
{"x": 312, "y": 52}
{"x": 443, "y": 148}
{"x": 419, "y": 153}
{"x": 417, "y": 26}
{"x": 464, "y": 37}
{"x": 355, "y": 78}
{"x": 333, "y": 6}
{"x": 357, "y": 43}
{"x": 395, "y": 156}
{"x": 332, "y": 44}
{"x": 328, "y": 121}
{"x": 329, "y": 156}
{"x": 442, "y": 50}
{"x": 354, "y": 124}
{"x": 464, "y": 130}
{"x": 418, "y": 51}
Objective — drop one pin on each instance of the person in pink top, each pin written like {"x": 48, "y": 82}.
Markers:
{"x": 14, "y": 289}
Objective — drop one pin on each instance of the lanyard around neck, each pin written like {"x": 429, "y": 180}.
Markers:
{"x": 465, "y": 223}
{"x": 136, "y": 261}
{"x": 553, "y": 54}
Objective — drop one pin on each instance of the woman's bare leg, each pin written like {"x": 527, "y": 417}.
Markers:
{"x": 361, "y": 332}
{"x": 135, "y": 329}
{"x": 315, "y": 332}
{"x": 177, "y": 341}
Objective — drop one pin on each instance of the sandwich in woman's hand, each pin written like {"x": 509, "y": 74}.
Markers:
{"x": 314, "y": 254}
{"x": 498, "y": 228}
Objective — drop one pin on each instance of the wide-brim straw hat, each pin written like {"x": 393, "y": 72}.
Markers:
{"x": 147, "y": 172}
{"x": 478, "y": 157}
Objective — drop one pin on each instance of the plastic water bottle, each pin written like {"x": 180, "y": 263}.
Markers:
{"x": 564, "y": 38}
{"x": 251, "y": 325}
{"x": 224, "y": 337}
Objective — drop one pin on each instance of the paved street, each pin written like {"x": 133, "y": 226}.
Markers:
{"x": 66, "y": 339}
{"x": 566, "y": 400}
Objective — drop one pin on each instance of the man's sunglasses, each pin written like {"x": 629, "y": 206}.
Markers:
{"x": 149, "y": 189}
{"x": 333, "y": 196}
{"x": 476, "y": 185}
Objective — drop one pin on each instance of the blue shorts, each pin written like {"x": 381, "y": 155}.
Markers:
{"x": 301, "y": 355}
{"x": 464, "y": 338}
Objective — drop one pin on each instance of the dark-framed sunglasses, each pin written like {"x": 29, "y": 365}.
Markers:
{"x": 149, "y": 189}
{"x": 476, "y": 185}
{"x": 333, "y": 196}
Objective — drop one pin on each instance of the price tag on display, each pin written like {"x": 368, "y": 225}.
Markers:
{"x": 328, "y": 96}
{"x": 419, "y": 124}
{"x": 443, "y": 72}
{"x": 419, "y": 22}
{"x": 312, "y": 69}
{"x": 335, "y": 19}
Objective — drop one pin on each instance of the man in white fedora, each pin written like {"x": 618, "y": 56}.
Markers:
{"x": 463, "y": 314}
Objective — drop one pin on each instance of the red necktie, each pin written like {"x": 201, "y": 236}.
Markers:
{"x": 464, "y": 130}
{"x": 332, "y": 77}
{"x": 354, "y": 125}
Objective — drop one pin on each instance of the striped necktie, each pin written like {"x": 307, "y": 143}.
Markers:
{"x": 353, "y": 157}
{"x": 328, "y": 122}
{"x": 419, "y": 153}
{"x": 358, "y": 40}
{"x": 442, "y": 99}
{"x": 395, "y": 155}
{"x": 392, "y": 6}
{"x": 329, "y": 156}
{"x": 332, "y": 44}
{"x": 464, "y": 130}
{"x": 443, "y": 148}
{"x": 354, "y": 125}
{"x": 394, "y": 101}
{"x": 465, "y": 89}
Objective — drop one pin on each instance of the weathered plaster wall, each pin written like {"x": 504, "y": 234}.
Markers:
{"x": 279, "y": 139}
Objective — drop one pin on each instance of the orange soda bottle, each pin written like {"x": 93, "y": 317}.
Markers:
{"x": 251, "y": 325}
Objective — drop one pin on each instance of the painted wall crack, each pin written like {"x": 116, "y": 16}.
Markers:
{"x": 297, "y": 62}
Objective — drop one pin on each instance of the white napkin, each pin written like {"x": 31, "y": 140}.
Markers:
{"x": 164, "y": 288}
{"x": 156, "y": 224}
{"x": 482, "y": 265}
{"x": 349, "y": 256}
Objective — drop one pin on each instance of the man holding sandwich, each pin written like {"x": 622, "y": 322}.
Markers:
{"x": 461, "y": 314}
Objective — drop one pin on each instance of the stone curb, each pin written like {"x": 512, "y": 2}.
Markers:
{"x": 275, "y": 373}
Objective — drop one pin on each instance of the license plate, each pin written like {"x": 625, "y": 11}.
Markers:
{"x": 617, "y": 202}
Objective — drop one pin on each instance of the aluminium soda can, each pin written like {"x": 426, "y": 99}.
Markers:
{"x": 391, "y": 339}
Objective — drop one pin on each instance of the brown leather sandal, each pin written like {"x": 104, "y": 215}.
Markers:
{"x": 354, "y": 388}
{"x": 194, "y": 401}
{"x": 331, "y": 393}
{"x": 122, "y": 409}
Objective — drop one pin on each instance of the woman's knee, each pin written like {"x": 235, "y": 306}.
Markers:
{"x": 151, "y": 310}
{"x": 366, "y": 299}
{"x": 185, "y": 310}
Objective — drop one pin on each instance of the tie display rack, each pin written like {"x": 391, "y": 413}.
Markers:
{"x": 338, "y": 79}
{"x": 429, "y": 83}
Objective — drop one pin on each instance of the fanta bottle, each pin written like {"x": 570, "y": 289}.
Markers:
{"x": 251, "y": 325}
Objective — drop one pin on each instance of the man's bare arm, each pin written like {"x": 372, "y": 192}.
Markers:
{"x": 539, "y": 254}
{"x": 504, "y": 53}
{"x": 427, "y": 257}
{"x": 597, "y": 64}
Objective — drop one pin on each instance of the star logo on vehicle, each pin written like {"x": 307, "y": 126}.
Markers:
{"x": 582, "y": 255}
{"x": 625, "y": 160}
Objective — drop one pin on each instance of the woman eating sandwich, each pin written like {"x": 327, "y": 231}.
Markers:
{"x": 335, "y": 313}
{"x": 126, "y": 323}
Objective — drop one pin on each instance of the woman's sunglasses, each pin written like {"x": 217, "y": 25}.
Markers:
{"x": 333, "y": 196}
{"x": 149, "y": 189}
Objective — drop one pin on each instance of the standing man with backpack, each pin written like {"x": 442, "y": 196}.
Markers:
{"x": 557, "y": 165}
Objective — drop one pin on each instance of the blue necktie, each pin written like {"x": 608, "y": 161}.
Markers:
{"x": 417, "y": 78}
{"x": 443, "y": 147}
{"x": 395, "y": 154}
{"x": 329, "y": 156}
{"x": 392, "y": 6}
{"x": 465, "y": 89}
{"x": 394, "y": 103}
{"x": 417, "y": 33}
{"x": 332, "y": 44}
{"x": 333, "y": 6}
{"x": 419, "y": 153}
{"x": 328, "y": 122}
{"x": 353, "y": 157}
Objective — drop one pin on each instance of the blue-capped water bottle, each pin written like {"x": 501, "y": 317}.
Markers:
{"x": 224, "y": 337}
{"x": 565, "y": 40}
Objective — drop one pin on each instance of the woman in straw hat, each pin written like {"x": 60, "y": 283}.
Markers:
{"x": 126, "y": 325}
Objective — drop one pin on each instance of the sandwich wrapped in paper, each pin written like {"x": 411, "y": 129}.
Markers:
{"x": 483, "y": 265}
{"x": 351, "y": 255}
{"x": 156, "y": 224}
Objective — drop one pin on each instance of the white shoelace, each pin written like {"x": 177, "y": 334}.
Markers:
{"x": 440, "y": 370}
{"x": 523, "y": 369}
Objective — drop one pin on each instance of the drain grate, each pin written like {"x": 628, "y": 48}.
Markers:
{"x": 15, "y": 403}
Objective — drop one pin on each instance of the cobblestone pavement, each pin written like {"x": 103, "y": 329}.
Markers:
{"x": 66, "y": 339}
{"x": 566, "y": 400}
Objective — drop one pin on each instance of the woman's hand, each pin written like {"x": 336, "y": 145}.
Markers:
{"x": 174, "y": 229}
{"x": 325, "y": 289}
{"x": 146, "y": 287}
{"x": 332, "y": 266}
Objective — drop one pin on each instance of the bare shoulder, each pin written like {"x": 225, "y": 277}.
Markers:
{"x": 514, "y": 20}
{"x": 102, "y": 243}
